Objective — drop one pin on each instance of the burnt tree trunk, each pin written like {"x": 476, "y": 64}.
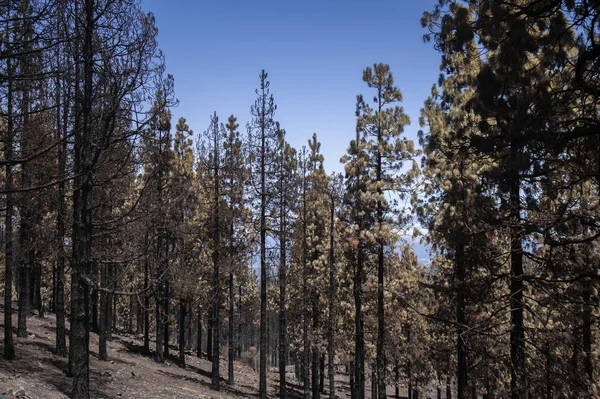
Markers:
{"x": 181, "y": 327}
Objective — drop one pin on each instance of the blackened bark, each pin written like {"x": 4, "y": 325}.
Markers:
{"x": 160, "y": 338}
{"x": 588, "y": 363}
{"x": 461, "y": 346}
{"x": 104, "y": 322}
{"x": 82, "y": 221}
{"x": 239, "y": 331}
{"x": 231, "y": 354}
{"x": 209, "y": 334}
{"x": 166, "y": 317}
{"x": 24, "y": 293}
{"x": 61, "y": 217}
{"x": 181, "y": 327}
{"x": 352, "y": 382}
{"x": 199, "y": 338}
{"x": 189, "y": 335}
{"x": 374, "y": 381}
{"x": 94, "y": 301}
{"x": 146, "y": 304}
{"x": 315, "y": 373}
{"x": 517, "y": 304}
{"x": 322, "y": 373}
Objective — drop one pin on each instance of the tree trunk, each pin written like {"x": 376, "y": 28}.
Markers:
{"x": 59, "y": 305}
{"x": 199, "y": 339}
{"x": 139, "y": 317}
{"x": 209, "y": 335}
{"x": 315, "y": 373}
{"x": 517, "y": 304}
{"x": 231, "y": 355}
{"x": 322, "y": 373}
{"x": 24, "y": 291}
{"x": 104, "y": 324}
{"x": 167, "y": 320}
{"x": 587, "y": 338}
{"x": 359, "y": 343}
{"x": 397, "y": 380}
{"x": 374, "y": 381}
{"x": 160, "y": 338}
{"x": 146, "y": 304}
{"x": 190, "y": 327}
{"x": 409, "y": 377}
{"x": 94, "y": 300}
{"x": 352, "y": 382}
{"x": 181, "y": 327}
{"x": 461, "y": 367}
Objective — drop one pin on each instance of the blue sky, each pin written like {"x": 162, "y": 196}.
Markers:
{"x": 314, "y": 52}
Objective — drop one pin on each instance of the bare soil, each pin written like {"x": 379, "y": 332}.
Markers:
{"x": 38, "y": 373}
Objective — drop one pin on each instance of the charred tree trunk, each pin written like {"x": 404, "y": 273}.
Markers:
{"x": 315, "y": 373}
{"x": 461, "y": 346}
{"x": 230, "y": 374}
{"x": 322, "y": 373}
{"x": 588, "y": 363}
{"x": 82, "y": 219}
{"x": 199, "y": 339}
{"x": 160, "y": 338}
{"x": 167, "y": 319}
{"x": 24, "y": 292}
{"x": 181, "y": 327}
{"x": 239, "y": 331}
{"x": 105, "y": 305}
{"x": 352, "y": 382}
{"x": 189, "y": 336}
{"x": 517, "y": 304}
{"x": 146, "y": 305}
{"x": 94, "y": 301}
{"x": 374, "y": 381}
{"x": 209, "y": 334}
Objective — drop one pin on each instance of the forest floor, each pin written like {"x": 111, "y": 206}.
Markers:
{"x": 38, "y": 373}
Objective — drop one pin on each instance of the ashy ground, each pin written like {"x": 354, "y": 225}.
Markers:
{"x": 38, "y": 373}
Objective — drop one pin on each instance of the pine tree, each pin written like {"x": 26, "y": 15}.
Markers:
{"x": 382, "y": 126}
{"x": 285, "y": 186}
{"x": 262, "y": 142}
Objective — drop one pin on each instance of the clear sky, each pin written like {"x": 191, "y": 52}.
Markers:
{"x": 314, "y": 52}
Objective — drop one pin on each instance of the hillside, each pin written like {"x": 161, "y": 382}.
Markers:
{"x": 38, "y": 373}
